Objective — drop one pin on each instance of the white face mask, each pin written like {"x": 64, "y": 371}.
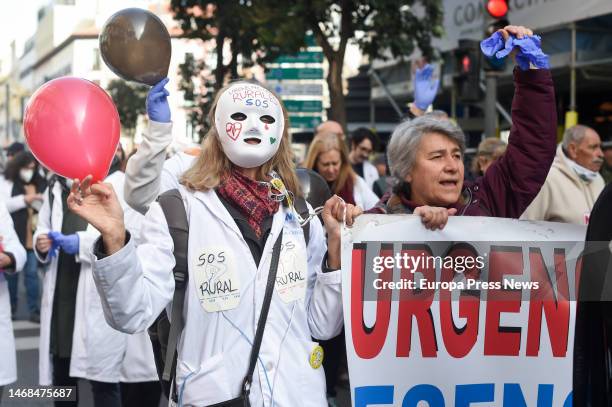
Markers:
{"x": 26, "y": 174}
{"x": 583, "y": 173}
{"x": 250, "y": 123}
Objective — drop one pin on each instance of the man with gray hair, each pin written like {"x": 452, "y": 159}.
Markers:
{"x": 573, "y": 183}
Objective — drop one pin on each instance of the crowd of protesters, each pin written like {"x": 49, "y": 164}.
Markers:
{"x": 97, "y": 260}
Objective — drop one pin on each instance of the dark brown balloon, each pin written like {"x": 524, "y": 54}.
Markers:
{"x": 135, "y": 45}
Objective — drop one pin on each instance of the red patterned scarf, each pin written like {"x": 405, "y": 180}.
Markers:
{"x": 250, "y": 197}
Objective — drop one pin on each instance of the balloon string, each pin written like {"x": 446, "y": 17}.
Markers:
{"x": 311, "y": 215}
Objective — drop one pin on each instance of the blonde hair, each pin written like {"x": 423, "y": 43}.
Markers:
{"x": 212, "y": 165}
{"x": 323, "y": 143}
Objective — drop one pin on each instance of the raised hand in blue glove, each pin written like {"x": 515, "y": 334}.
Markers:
{"x": 528, "y": 47}
{"x": 68, "y": 243}
{"x": 157, "y": 103}
{"x": 492, "y": 45}
{"x": 425, "y": 89}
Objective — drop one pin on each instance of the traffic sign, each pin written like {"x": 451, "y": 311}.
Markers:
{"x": 304, "y": 106}
{"x": 304, "y": 57}
{"x": 296, "y": 89}
{"x": 304, "y": 122}
{"x": 294, "y": 73}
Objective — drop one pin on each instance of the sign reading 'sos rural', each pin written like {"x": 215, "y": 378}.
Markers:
{"x": 481, "y": 312}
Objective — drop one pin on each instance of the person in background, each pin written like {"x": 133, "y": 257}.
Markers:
{"x": 327, "y": 155}
{"x": 489, "y": 150}
{"x": 330, "y": 126}
{"x": 573, "y": 183}
{"x": 425, "y": 90}
{"x": 606, "y": 168}
{"x": 75, "y": 340}
{"x": 21, "y": 188}
{"x": 14, "y": 149}
{"x": 12, "y": 259}
{"x": 385, "y": 182}
{"x": 363, "y": 143}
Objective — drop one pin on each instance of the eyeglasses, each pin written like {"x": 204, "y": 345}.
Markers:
{"x": 364, "y": 150}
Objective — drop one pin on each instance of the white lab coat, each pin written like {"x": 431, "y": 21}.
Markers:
{"x": 11, "y": 244}
{"x": 364, "y": 196}
{"x": 370, "y": 174}
{"x": 148, "y": 173}
{"x": 97, "y": 349}
{"x": 138, "y": 364}
{"x": 13, "y": 203}
{"x": 214, "y": 348}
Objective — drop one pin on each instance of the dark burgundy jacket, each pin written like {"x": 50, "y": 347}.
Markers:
{"x": 514, "y": 180}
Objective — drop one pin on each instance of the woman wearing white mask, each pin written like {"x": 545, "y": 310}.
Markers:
{"x": 12, "y": 259}
{"x": 235, "y": 217}
{"x": 21, "y": 189}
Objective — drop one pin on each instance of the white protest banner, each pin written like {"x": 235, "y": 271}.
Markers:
{"x": 480, "y": 312}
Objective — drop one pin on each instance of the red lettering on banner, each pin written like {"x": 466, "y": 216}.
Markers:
{"x": 416, "y": 303}
{"x": 579, "y": 263}
{"x": 368, "y": 341}
{"x": 502, "y": 340}
{"x": 459, "y": 341}
{"x": 555, "y": 307}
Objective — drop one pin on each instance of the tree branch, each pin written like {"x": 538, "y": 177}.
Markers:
{"x": 346, "y": 26}
{"x": 328, "y": 50}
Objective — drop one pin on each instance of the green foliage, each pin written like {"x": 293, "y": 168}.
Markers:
{"x": 261, "y": 30}
{"x": 130, "y": 100}
{"x": 198, "y": 93}
{"x": 381, "y": 28}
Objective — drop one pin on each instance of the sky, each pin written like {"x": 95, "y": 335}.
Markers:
{"x": 17, "y": 22}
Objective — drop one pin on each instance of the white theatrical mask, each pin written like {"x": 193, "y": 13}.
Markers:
{"x": 250, "y": 123}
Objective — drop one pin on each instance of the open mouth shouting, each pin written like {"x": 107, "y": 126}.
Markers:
{"x": 449, "y": 183}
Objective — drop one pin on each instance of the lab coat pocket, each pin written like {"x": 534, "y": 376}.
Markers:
{"x": 205, "y": 385}
{"x": 313, "y": 377}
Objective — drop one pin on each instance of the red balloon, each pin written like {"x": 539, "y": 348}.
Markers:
{"x": 72, "y": 127}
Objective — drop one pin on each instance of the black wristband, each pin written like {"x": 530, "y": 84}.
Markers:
{"x": 98, "y": 249}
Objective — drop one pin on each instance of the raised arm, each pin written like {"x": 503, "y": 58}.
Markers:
{"x": 135, "y": 284}
{"x": 142, "y": 174}
{"x": 515, "y": 179}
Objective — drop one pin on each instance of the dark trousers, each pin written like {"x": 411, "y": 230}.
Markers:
{"x": 61, "y": 377}
{"x": 334, "y": 353}
{"x": 104, "y": 394}
{"x": 30, "y": 278}
{"x": 143, "y": 394}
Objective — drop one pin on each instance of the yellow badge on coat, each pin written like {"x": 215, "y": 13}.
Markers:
{"x": 316, "y": 357}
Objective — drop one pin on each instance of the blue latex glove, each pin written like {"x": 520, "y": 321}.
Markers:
{"x": 529, "y": 50}
{"x": 157, "y": 103}
{"x": 492, "y": 45}
{"x": 68, "y": 243}
{"x": 54, "y": 247}
{"x": 425, "y": 89}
